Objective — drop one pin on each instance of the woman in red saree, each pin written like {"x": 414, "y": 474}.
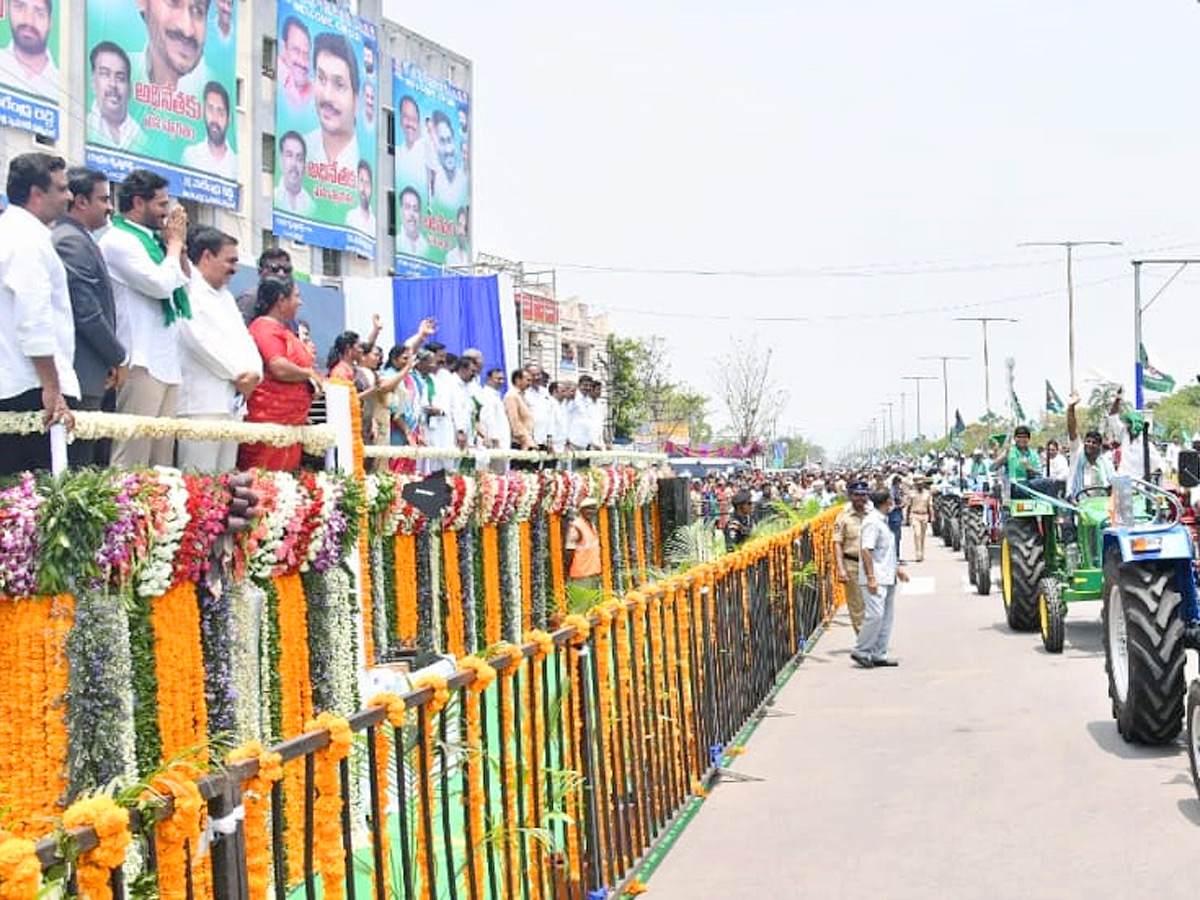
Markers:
{"x": 289, "y": 381}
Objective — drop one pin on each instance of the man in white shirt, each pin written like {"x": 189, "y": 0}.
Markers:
{"x": 578, "y": 416}
{"x": 410, "y": 240}
{"x": 493, "y": 419}
{"x": 412, "y": 157}
{"x": 450, "y": 183}
{"x": 440, "y": 430}
{"x": 26, "y": 63}
{"x": 335, "y": 139}
{"x": 219, "y": 361}
{"x": 1056, "y": 463}
{"x": 291, "y": 196}
{"x": 213, "y": 155}
{"x": 361, "y": 218}
{"x": 109, "y": 121}
{"x": 144, "y": 253}
{"x": 462, "y": 407}
{"x": 460, "y": 254}
{"x": 37, "y": 340}
{"x": 561, "y": 392}
{"x": 879, "y": 572}
{"x": 541, "y": 404}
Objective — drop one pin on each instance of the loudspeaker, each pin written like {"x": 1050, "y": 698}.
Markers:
{"x": 1189, "y": 468}
{"x": 674, "y": 504}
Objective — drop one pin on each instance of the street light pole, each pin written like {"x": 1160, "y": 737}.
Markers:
{"x": 917, "y": 379}
{"x": 987, "y": 381}
{"x": 945, "y": 388}
{"x": 1070, "y": 245}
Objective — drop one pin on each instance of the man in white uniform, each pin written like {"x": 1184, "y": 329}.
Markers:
{"x": 219, "y": 361}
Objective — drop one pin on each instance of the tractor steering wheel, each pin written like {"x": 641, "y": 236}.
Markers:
{"x": 1095, "y": 490}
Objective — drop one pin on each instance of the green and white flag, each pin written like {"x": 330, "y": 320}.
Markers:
{"x": 1054, "y": 404}
{"x": 1018, "y": 412}
{"x": 1154, "y": 379}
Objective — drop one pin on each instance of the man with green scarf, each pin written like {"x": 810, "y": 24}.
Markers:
{"x": 144, "y": 253}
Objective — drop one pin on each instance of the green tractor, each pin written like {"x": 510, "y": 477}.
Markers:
{"x": 1023, "y": 558}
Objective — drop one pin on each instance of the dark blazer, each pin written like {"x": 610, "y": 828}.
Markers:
{"x": 97, "y": 348}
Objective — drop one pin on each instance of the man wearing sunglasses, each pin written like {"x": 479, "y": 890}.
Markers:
{"x": 272, "y": 263}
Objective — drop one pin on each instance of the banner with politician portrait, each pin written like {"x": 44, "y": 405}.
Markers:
{"x": 162, "y": 91}
{"x": 433, "y": 215}
{"x": 326, "y": 127}
{"x": 30, "y": 79}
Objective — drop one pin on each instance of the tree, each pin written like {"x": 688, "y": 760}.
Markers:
{"x": 641, "y": 390}
{"x": 749, "y": 392}
{"x": 682, "y": 404}
{"x": 1179, "y": 414}
{"x": 626, "y": 398}
{"x": 800, "y": 451}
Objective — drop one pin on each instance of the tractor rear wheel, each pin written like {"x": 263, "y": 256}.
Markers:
{"x": 975, "y": 531}
{"x": 983, "y": 569}
{"x": 1051, "y": 612}
{"x": 1022, "y": 566}
{"x": 955, "y": 535}
{"x": 1193, "y": 732}
{"x": 1143, "y": 649}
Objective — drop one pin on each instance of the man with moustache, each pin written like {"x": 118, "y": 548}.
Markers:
{"x": 410, "y": 240}
{"x": 294, "y": 67}
{"x": 450, "y": 184}
{"x": 26, "y": 63}
{"x": 337, "y": 85}
{"x": 37, "y": 342}
{"x": 100, "y": 358}
{"x": 412, "y": 156}
{"x": 108, "y": 120}
{"x": 174, "y": 54}
{"x": 291, "y": 196}
{"x": 144, "y": 252}
{"x": 220, "y": 362}
{"x": 361, "y": 218}
{"x": 213, "y": 154}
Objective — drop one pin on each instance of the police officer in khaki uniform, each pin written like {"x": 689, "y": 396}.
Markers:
{"x": 920, "y": 506}
{"x": 845, "y": 548}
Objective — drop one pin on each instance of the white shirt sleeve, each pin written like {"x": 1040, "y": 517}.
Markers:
{"x": 129, "y": 263}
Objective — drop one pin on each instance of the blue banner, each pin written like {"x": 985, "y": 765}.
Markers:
{"x": 38, "y": 116}
{"x": 182, "y": 183}
{"x": 467, "y": 310}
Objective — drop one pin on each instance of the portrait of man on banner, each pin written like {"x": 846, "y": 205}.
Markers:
{"x": 28, "y": 47}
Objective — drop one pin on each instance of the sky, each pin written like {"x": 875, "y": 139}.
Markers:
{"x": 837, "y": 182}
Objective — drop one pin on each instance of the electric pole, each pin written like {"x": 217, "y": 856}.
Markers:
{"x": 1070, "y": 245}
{"x": 987, "y": 381}
{"x": 945, "y": 387}
{"x": 917, "y": 379}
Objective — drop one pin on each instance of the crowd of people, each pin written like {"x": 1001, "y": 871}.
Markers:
{"x": 130, "y": 311}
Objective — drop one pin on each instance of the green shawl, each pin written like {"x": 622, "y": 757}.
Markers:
{"x": 176, "y": 306}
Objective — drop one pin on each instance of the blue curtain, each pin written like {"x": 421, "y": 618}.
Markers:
{"x": 467, "y": 310}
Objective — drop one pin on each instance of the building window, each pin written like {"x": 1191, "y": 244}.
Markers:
{"x": 389, "y": 122}
{"x": 269, "y": 49}
{"x": 45, "y": 140}
{"x": 391, "y": 213}
{"x": 268, "y": 153}
{"x": 582, "y": 357}
{"x": 269, "y": 239}
{"x": 331, "y": 262}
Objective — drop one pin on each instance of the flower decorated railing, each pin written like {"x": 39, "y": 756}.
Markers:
{"x": 547, "y": 769}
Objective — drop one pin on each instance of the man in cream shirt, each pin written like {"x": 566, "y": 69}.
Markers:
{"x": 219, "y": 360}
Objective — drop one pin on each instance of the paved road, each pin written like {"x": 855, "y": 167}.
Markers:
{"x": 981, "y": 767}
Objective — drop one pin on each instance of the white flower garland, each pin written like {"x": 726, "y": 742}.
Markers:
{"x": 156, "y": 573}
{"x": 90, "y": 426}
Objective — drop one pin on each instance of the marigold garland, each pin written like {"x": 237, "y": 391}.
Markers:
{"x": 20, "y": 870}
{"x": 606, "y": 567}
{"x": 582, "y": 628}
{"x": 601, "y": 634}
{"x": 178, "y": 833}
{"x": 406, "y": 589}
{"x": 656, "y": 536}
{"x": 179, "y": 665}
{"x": 256, "y": 798}
{"x": 329, "y": 855}
{"x": 476, "y": 800}
{"x": 455, "y": 630}
{"x": 492, "y": 616}
{"x": 111, "y": 824}
{"x": 508, "y": 732}
{"x": 33, "y": 742}
{"x": 544, "y": 643}
{"x": 639, "y": 547}
{"x": 558, "y": 584}
{"x": 437, "y": 702}
{"x": 296, "y": 708}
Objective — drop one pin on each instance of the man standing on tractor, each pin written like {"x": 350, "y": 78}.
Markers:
{"x": 1089, "y": 466}
{"x": 1126, "y": 427}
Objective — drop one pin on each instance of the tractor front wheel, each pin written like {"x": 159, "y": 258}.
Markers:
{"x": 1051, "y": 612}
{"x": 1193, "y": 732}
{"x": 983, "y": 569}
{"x": 1143, "y": 649}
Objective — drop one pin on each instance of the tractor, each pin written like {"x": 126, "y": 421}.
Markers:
{"x": 981, "y": 532}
